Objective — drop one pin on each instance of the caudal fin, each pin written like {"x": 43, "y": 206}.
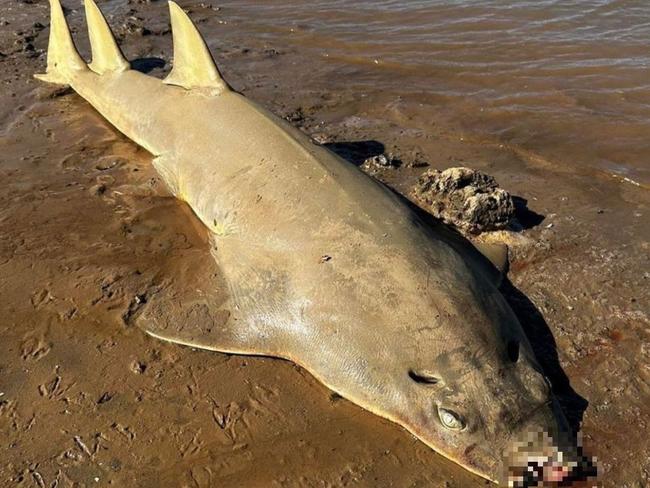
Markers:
{"x": 63, "y": 59}
{"x": 107, "y": 56}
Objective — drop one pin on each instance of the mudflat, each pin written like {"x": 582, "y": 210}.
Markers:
{"x": 90, "y": 234}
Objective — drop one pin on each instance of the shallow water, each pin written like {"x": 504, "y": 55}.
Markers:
{"x": 567, "y": 80}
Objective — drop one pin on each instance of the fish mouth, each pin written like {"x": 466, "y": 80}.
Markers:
{"x": 547, "y": 455}
{"x": 553, "y": 473}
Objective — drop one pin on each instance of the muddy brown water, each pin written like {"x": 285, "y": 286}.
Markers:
{"x": 568, "y": 80}
{"x": 549, "y": 97}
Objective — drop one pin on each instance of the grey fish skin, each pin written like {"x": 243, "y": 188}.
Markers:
{"x": 325, "y": 266}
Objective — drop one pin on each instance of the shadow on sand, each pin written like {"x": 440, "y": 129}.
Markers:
{"x": 526, "y": 217}
{"x": 146, "y": 65}
{"x": 356, "y": 152}
{"x": 545, "y": 348}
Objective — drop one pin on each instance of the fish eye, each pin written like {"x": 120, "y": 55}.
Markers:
{"x": 450, "y": 420}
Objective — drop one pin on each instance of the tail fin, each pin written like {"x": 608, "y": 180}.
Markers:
{"x": 193, "y": 63}
{"x": 62, "y": 56}
{"x": 107, "y": 56}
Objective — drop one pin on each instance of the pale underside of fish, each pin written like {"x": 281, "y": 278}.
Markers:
{"x": 325, "y": 266}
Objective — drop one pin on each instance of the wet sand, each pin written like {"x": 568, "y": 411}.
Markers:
{"x": 90, "y": 235}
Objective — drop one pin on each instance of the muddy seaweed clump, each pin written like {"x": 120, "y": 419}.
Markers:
{"x": 465, "y": 198}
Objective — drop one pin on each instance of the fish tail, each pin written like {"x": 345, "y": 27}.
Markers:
{"x": 63, "y": 59}
{"x": 194, "y": 66}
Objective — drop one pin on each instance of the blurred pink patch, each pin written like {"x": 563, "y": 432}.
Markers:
{"x": 555, "y": 473}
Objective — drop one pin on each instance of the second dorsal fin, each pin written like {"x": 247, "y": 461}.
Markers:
{"x": 107, "y": 56}
{"x": 193, "y": 63}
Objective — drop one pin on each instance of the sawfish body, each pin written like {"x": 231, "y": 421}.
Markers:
{"x": 324, "y": 266}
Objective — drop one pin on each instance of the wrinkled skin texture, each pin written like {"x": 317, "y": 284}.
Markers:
{"x": 329, "y": 269}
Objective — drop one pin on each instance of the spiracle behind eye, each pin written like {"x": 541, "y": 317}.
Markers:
{"x": 451, "y": 420}
{"x": 423, "y": 377}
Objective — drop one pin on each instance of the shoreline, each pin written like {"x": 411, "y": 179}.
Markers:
{"x": 87, "y": 226}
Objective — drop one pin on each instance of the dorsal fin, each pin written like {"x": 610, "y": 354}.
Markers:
{"x": 193, "y": 63}
{"x": 107, "y": 56}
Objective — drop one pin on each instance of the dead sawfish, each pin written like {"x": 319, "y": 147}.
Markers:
{"x": 325, "y": 266}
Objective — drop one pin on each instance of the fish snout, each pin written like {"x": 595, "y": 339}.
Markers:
{"x": 553, "y": 472}
{"x": 547, "y": 455}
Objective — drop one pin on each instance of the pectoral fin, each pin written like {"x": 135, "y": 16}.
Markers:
{"x": 191, "y": 321}
{"x": 497, "y": 254}
{"x": 190, "y": 305}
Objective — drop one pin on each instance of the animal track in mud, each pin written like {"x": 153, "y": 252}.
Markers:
{"x": 227, "y": 417}
{"x": 124, "y": 430}
{"x": 193, "y": 446}
{"x": 55, "y": 388}
{"x": 107, "y": 290}
{"x": 41, "y": 298}
{"x": 34, "y": 348}
{"x": 137, "y": 303}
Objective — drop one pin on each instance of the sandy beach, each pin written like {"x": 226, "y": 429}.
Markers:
{"x": 89, "y": 234}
